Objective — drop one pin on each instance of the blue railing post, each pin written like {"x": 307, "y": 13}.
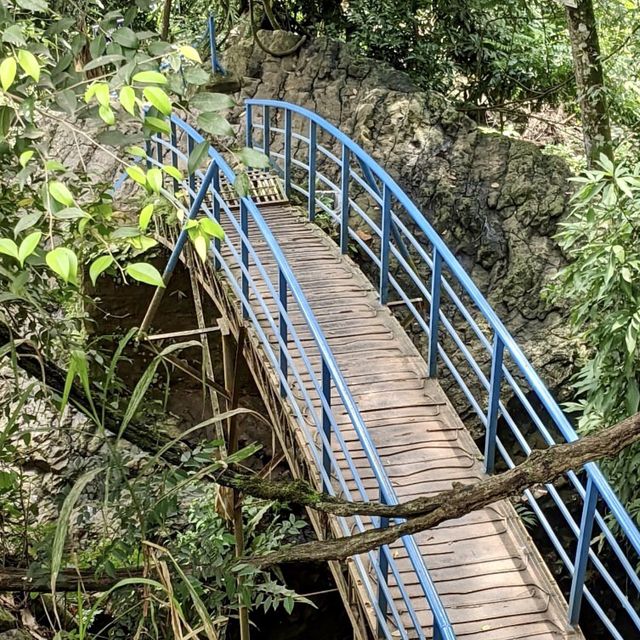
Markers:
{"x": 582, "y": 551}
{"x": 344, "y": 200}
{"x": 282, "y": 294}
{"x": 212, "y": 44}
{"x": 385, "y": 248}
{"x": 215, "y": 189}
{"x": 244, "y": 226}
{"x": 494, "y": 404}
{"x": 148, "y": 150}
{"x": 287, "y": 152}
{"x": 192, "y": 176}
{"x": 174, "y": 152}
{"x": 248, "y": 134}
{"x": 384, "y": 571}
{"x": 311, "y": 187}
{"x": 266, "y": 130}
{"x": 326, "y": 424}
{"x": 160, "y": 151}
{"x": 434, "y": 313}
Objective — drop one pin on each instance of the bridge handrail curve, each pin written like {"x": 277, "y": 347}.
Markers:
{"x": 597, "y": 485}
{"x": 441, "y": 621}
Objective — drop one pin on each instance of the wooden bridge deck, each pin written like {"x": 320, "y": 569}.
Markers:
{"x": 492, "y": 580}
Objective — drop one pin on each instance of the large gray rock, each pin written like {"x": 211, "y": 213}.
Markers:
{"x": 495, "y": 200}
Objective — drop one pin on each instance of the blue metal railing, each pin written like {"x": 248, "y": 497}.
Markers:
{"x": 269, "y": 295}
{"x": 337, "y": 178}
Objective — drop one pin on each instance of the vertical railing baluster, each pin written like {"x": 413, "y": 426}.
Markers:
{"x": 582, "y": 552}
{"x": 192, "y": 176}
{"x": 311, "y": 185}
{"x": 493, "y": 409}
{"x": 326, "y": 424}
{"x": 266, "y": 130}
{"x": 344, "y": 201}
{"x": 385, "y": 247}
{"x": 284, "y": 334}
{"x": 212, "y": 44}
{"x": 174, "y": 152}
{"x": 434, "y": 314}
{"x": 244, "y": 226}
{"x": 248, "y": 133}
{"x": 215, "y": 189}
{"x": 159, "y": 147}
{"x": 287, "y": 152}
{"x": 149, "y": 149}
{"x": 384, "y": 571}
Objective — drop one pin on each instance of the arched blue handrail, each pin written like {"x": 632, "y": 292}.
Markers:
{"x": 332, "y": 379}
{"x": 380, "y": 190}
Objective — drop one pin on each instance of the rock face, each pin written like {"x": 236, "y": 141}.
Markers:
{"x": 495, "y": 200}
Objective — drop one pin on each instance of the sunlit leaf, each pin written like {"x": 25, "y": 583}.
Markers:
{"x": 212, "y": 228}
{"x": 25, "y": 156}
{"x": 8, "y": 68}
{"x": 145, "y": 272}
{"x": 106, "y": 113}
{"x": 149, "y": 77}
{"x": 29, "y": 64}
{"x": 137, "y": 174}
{"x": 174, "y": 172}
{"x": 60, "y": 193}
{"x": 154, "y": 179}
{"x": 9, "y": 248}
{"x": 127, "y": 97}
{"x": 190, "y": 53}
{"x": 201, "y": 245}
{"x": 63, "y": 262}
{"x": 98, "y": 266}
{"x": 28, "y": 246}
{"x": 157, "y": 124}
{"x": 158, "y": 98}
{"x": 134, "y": 150}
{"x": 145, "y": 217}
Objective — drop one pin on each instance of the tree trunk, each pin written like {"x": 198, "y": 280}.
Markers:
{"x": 585, "y": 47}
{"x": 166, "y": 19}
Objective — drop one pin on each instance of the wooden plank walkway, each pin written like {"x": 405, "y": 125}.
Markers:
{"x": 491, "y": 579}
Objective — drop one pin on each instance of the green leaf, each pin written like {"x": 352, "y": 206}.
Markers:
{"x": 8, "y": 68}
{"x": 98, "y": 266}
{"x": 201, "y": 244}
{"x": 212, "y": 101}
{"x": 154, "y": 179}
{"x": 106, "y": 113}
{"x": 212, "y": 228}
{"x": 29, "y": 64}
{"x": 158, "y": 98}
{"x": 14, "y": 35}
{"x": 25, "y": 156}
{"x": 62, "y": 526}
{"x": 156, "y": 124}
{"x": 54, "y": 165}
{"x": 149, "y": 77}
{"x": 174, "y": 172}
{"x": 63, "y": 262}
{"x": 137, "y": 174}
{"x": 127, "y": 98}
{"x": 190, "y": 53}
{"x": 103, "y": 61}
{"x": 27, "y": 221}
{"x": 196, "y": 75}
{"x": 67, "y": 101}
{"x": 70, "y": 213}
{"x": 145, "y": 217}
{"x": 145, "y": 272}
{"x": 630, "y": 339}
{"x": 136, "y": 151}
{"x": 125, "y": 37}
{"x": 252, "y": 158}
{"x": 242, "y": 185}
{"x": 33, "y": 5}
{"x": 215, "y": 124}
{"x": 102, "y": 93}
{"x": 28, "y": 246}
{"x": 198, "y": 154}
{"x": 9, "y": 248}
{"x": 60, "y": 193}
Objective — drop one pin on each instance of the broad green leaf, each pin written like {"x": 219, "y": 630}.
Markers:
{"x": 134, "y": 150}
{"x": 145, "y": 217}
{"x": 201, "y": 245}
{"x": 198, "y": 154}
{"x": 98, "y": 266}
{"x": 242, "y": 185}
{"x": 154, "y": 179}
{"x": 33, "y": 5}
{"x": 252, "y": 158}
{"x": 62, "y": 526}
{"x": 8, "y": 68}
{"x": 215, "y": 124}
{"x": 127, "y": 98}
{"x": 190, "y": 53}
{"x": 60, "y": 193}
{"x": 70, "y": 213}
{"x": 27, "y": 221}
{"x": 29, "y": 64}
{"x": 25, "y": 156}
{"x": 14, "y": 35}
{"x": 212, "y": 228}
{"x": 125, "y": 37}
{"x": 101, "y": 92}
{"x": 54, "y": 165}
{"x": 174, "y": 172}
{"x": 137, "y": 174}
{"x": 145, "y": 272}
{"x": 149, "y": 77}
{"x": 106, "y": 113}
{"x": 196, "y": 75}
{"x": 28, "y": 246}
{"x": 6, "y": 117}
{"x": 157, "y": 124}
{"x": 67, "y": 101}
{"x": 63, "y": 262}
{"x": 142, "y": 242}
{"x": 158, "y": 98}
{"x": 103, "y": 61}
{"x": 212, "y": 101}
{"x": 9, "y": 248}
